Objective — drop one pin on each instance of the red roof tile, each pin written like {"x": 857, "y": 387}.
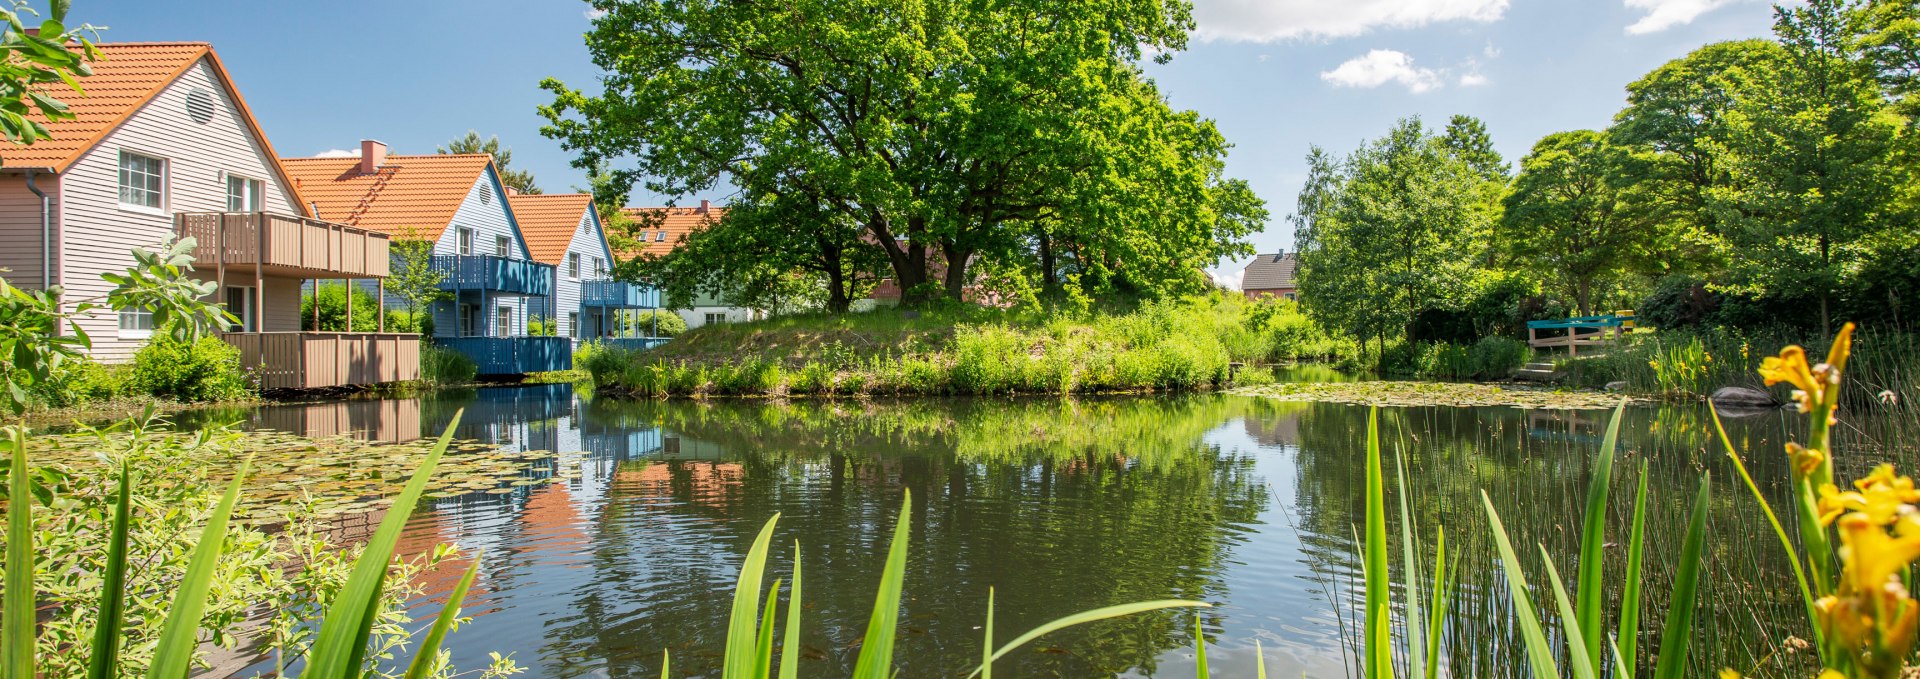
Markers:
{"x": 408, "y": 197}
{"x": 675, "y": 222}
{"x": 548, "y": 220}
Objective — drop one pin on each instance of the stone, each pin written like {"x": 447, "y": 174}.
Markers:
{"x": 1743, "y": 397}
{"x": 1616, "y": 385}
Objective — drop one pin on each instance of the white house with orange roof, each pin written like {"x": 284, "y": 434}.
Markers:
{"x": 457, "y": 201}
{"x": 163, "y": 145}
{"x": 660, "y": 230}
{"x": 564, "y": 230}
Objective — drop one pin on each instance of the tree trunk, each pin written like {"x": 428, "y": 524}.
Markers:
{"x": 1049, "y": 278}
{"x": 956, "y": 278}
{"x": 907, "y": 259}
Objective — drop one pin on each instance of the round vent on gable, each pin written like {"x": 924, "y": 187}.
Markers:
{"x": 486, "y": 194}
{"x": 200, "y": 105}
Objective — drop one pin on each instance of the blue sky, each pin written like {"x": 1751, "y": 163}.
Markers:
{"x": 1277, "y": 75}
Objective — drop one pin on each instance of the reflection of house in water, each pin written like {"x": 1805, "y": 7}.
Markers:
{"x": 697, "y": 481}
{"x": 382, "y": 421}
{"x": 513, "y": 418}
{"x": 1275, "y": 430}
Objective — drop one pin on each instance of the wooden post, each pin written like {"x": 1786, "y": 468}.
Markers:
{"x": 220, "y": 260}
{"x": 381, "y": 296}
{"x": 348, "y": 285}
{"x": 259, "y": 280}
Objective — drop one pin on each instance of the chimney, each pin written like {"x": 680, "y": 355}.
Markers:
{"x": 373, "y": 154}
{"x": 705, "y": 205}
{"x": 511, "y": 192}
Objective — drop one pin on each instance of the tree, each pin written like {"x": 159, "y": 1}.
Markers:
{"x": 414, "y": 280}
{"x": 1575, "y": 216}
{"x": 518, "y": 180}
{"x": 1808, "y": 152}
{"x": 1677, "y": 114}
{"x": 1889, "y": 39}
{"x": 945, "y": 132}
{"x": 31, "y": 63}
{"x": 1393, "y": 230}
{"x": 1467, "y": 139}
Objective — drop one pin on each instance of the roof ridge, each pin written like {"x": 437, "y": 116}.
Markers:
{"x": 155, "y": 43}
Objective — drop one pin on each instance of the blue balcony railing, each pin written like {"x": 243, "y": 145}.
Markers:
{"x": 618, "y": 295}
{"x": 633, "y": 342}
{"x": 513, "y": 355}
{"x": 494, "y": 274}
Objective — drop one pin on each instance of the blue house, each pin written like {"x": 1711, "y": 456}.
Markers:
{"x": 564, "y": 230}
{"x": 496, "y": 290}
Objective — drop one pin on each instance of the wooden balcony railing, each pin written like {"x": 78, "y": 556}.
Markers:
{"x": 294, "y": 245}
{"x": 316, "y": 360}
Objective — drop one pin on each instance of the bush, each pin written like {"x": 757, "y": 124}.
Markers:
{"x": 1678, "y": 302}
{"x": 659, "y": 323}
{"x": 204, "y": 370}
{"x": 333, "y": 309}
{"x": 442, "y": 366}
{"x": 1498, "y": 357}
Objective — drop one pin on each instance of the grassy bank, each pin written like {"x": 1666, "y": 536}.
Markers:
{"x": 1176, "y": 345}
{"x": 1693, "y": 364}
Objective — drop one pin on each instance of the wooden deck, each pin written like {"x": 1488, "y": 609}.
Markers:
{"x": 316, "y": 360}
{"x": 1584, "y": 331}
{"x": 282, "y": 245}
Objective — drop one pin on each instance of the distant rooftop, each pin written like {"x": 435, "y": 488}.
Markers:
{"x": 1270, "y": 272}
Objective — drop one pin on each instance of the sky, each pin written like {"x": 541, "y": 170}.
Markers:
{"x": 1277, "y": 76}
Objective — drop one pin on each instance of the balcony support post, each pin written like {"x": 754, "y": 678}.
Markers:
{"x": 348, "y": 284}
{"x": 381, "y": 297}
{"x": 259, "y": 280}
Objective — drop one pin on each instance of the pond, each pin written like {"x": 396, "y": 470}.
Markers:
{"x": 1059, "y": 506}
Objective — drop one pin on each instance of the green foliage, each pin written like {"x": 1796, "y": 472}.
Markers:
{"x": 518, "y": 180}
{"x": 542, "y": 326}
{"x": 413, "y": 280}
{"x": 1576, "y": 216}
{"x": 1676, "y": 303}
{"x": 333, "y": 309}
{"x": 1047, "y": 142}
{"x": 206, "y": 369}
{"x": 35, "y": 64}
{"x": 658, "y": 323}
{"x": 442, "y": 366}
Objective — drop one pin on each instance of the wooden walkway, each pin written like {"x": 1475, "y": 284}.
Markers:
{"x": 1583, "y": 331}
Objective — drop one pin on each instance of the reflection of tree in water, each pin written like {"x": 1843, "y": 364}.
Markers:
{"x": 1536, "y": 467}
{"x": 1059, "y": 506}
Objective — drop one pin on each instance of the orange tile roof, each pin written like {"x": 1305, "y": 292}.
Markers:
{"x": 408, "y": 197}
{"x": 549, "y": 220}
{"x": 127, "y": 76}
{"x": 676, "y": 221}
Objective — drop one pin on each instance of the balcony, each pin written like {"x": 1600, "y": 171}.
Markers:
{"x": 282, "y": 245}
{"x": 317, "y": 360}
{"x": 494, "y": 274}
{"x": 513, "y": 355}
{"x": 639, "y": 343}
{"x": 618, "y": 295}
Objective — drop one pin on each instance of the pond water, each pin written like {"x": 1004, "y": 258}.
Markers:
{"x": 1059, "y": 506}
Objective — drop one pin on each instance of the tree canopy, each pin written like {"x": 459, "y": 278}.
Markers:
{"x": 1575, "y": 218}
{"x": 1007, "y": 133}
{"x": 518, "y": 180}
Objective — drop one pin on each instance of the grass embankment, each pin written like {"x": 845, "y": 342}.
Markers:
{"x": 1175, "y": 345}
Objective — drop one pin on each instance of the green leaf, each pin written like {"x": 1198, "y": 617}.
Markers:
{"x": 985, "y": 671}
{"x": 1779, "y": 532}
{"x": 1539, "y": 652}
{"x": 1082, "y": 618}
{"x": 739, "y": 657}
{"x": 1569, "y": 621}
{"x": 763, "y": 655}
{"x": 340, "y": 639}
{"x": 1410, "y": 570}
{"x": 429, "y": 653}
{"x": 1200, "y": 651}
{"x": 789, "y": 656}
{"x": 103, "y": 663}
{"x": 1629, "y": 635}
{"x": 1442, "y": 585}
{"x": 21, "y": 595}
{"x": 876, "y": 650}
{"x": 1686, "y": 587}
{"x": 1591, "y": 606}
{"x": 1379, "y": 655}
{"x": 179, "y": 637}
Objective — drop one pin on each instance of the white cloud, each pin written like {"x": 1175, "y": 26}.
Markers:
{"x": 338, "y": 153}
{"x": 1472, "y": 80}
{"x": 594, "y": 13}
{"x": 1269, "y": 20}
{"x": 1380, "y": 67}
{"x": 1664, "y": 14}
{"x": 1228, "y": 278}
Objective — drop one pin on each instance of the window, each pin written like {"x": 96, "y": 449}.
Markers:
{"x": 573, "y": 265}
{"x": 239, "y": 302}
{"x": 142, "y": 181}
{"x": 500, "y": 246}
{"x": 243, "y": 194}
{"x": 136, "y": 323}
{"x": 573, "y": 324}
{"x": 466, "y": 241}
{"x": 660, "y": 237}
{"x": 469, "y": 320}
{"x": 716, "y": 319}
{"x": 599, "y": 268}
{"x": 503, "y": 322}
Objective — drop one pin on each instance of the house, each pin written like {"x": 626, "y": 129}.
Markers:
{"x": 564, "y": 230}
{"x": 1270, "y": 276}
{"x": 660, "y": 230}
{"x": 457, "y": 202}
{"x": 162, "y": 145}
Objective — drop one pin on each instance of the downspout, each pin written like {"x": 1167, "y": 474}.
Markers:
{"x": 46, "y": 232}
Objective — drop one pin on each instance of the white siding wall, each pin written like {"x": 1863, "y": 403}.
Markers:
{"x": 589, "y": 243}
{"x": 485, "y": 211}
{"x": 97, "y": 233}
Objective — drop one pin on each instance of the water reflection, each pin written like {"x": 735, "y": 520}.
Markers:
{"x": 1060, "y": 506}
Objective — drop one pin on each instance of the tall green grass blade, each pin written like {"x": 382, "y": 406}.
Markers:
{"x": 1629, "y": 637}
{"x": 763, "y": 654}
{"x": 1200, "y": 651}
{"x": 1081, "y": 618}
{"x": 789, "y": 656}
{"x": 1539, "y": 652}
{"x": 1577, "y": 641}
{"x": 105, "y": 660}
{"x": 876, "y": 651}
{"x": 1591, "y": 607}
{"x": 19, "y": 615}
{"x": 1259, "y": 661}
{"x": 179, "y": 636}
{"x": 740, "y": 658}
{"x": 1779, "y": 531}
{"x": 340, "y": 639}
{"x": 665, "y": 663}
{"x": 357, "y": 659}
{"x": 429, "y": 653}
{"x": 1410, "y": 571}
{"x": 986, "y": 650}
{"x": 1686, "y": 586}
{"x": 1439, "y": 609}
{"x": 1379, "y": 656}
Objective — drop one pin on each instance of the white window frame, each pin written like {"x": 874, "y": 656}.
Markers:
{"x": 660, "y": 237}
{"x": 573, "y": 265}
{"x": 255, "y": 197}
{"x": 247, "y": 305}
{"x": 119, "y": 182}
{"x": 465, "y": 318}
{"x": 502, "y": 246}
{"x": 125, "y": 332}
{"x": 573, "y": 324}
{"x": 713, "y": 318}
{"x": 599, "y": 268}
{"x": 503, "y": 321}
{"x": 463, "y": 240}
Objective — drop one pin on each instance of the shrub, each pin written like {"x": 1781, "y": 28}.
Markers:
{"x": 439, "y": 365}
{"x": 1444, "y": 361}
{"x": 1678, "y": 302}
{"x": 659, "y": 323}
{"x": 333, "y": 309}
{"x": 812, "y": 378}
{"x": 1497, "y": 357}
{"x": 204, "y": 370}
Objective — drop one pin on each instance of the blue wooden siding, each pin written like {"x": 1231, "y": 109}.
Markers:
{"x": 513, "y": 355}
{"x": 485, "y": 211}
